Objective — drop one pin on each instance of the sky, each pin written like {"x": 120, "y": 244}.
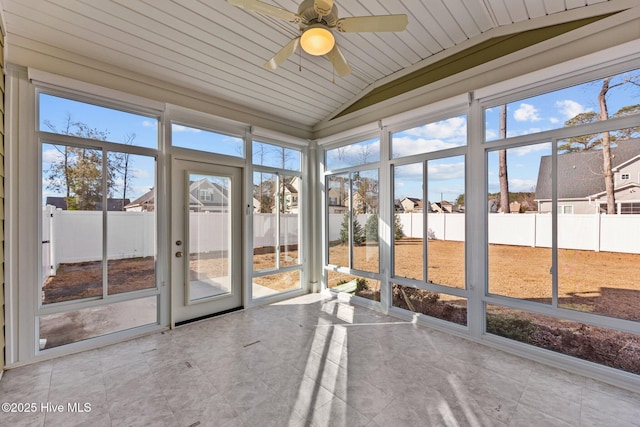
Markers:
{"x": 445, "y": 177}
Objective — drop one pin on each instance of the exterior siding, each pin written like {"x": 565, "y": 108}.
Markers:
{"x": 2, "y": 312}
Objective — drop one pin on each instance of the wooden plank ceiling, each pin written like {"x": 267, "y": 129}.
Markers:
{"x": 218, "y": 49}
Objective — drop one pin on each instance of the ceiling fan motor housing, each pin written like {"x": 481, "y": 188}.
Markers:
{"x": 309, "y": 16}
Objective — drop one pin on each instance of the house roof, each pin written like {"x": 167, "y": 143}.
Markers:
{"x": 580, "y": 173}
{"x": 146, "y": 199}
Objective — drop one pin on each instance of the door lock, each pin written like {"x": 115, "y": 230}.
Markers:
{"x": 179, "y": 254}
{"x": 178, "y": 242}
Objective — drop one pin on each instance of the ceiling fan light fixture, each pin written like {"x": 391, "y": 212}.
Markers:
{"x": 317, "y": 41}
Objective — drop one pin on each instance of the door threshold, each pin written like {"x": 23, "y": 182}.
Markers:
{"x": 208, "y": 316}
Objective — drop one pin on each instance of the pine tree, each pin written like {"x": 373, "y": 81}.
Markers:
{"x": 371, "y": 228}
{"x": 398, "y": 233}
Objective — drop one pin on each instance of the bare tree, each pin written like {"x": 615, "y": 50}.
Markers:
{"x": 606, "y": 147}
{"x": 502, "y": 159}
{"x": 122, "y": 165}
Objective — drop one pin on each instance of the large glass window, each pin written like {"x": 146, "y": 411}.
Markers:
{"x": 353, "y": 222}
{"x": 277, "y": 202}
{"x": 64, "y": 116}
{"x": 449, "y": 133}
{"x": 570, "y": 106}
{"x": 204, "y": 140}
{"x": 360, "y": 153}
{"x": 75, "y": 214}
{"x": 557, "y": 233}
{"x": 518, "y": 232}
{"x": 98, "y": 218}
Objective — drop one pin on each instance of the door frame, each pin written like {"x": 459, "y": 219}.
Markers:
{"x": 210, "y": 306}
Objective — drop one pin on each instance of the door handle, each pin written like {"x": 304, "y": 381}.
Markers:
{"x": 179, "y": 254}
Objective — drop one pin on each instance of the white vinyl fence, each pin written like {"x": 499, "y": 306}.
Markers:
{"x": 76, "y": 236}
{"x": 611, "y": 233}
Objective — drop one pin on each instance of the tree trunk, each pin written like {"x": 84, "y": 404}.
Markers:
{"x": 606, "y": 149}
{"x": 502, "y": 156}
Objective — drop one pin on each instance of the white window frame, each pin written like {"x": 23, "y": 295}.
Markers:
{"x": 304, "y": 223}
{"x": 24, "y": 210}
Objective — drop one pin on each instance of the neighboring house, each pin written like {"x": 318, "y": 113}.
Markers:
{"x": 411, "y": 204}
{"x": 338, "y": 200}
{"x": 113, "y": 204}
{"x": 144, "y": 203}
{"x": 366, "y": 204}
{"x": 291, "y": 194}
{"x": 445, "y": 207}
{"x": 207, "y": 196}
{"x": 581, "y": 188}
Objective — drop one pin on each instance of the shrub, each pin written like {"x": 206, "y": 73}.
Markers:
{"x": 361, "y": 284}
{"x": 513, "y": 327}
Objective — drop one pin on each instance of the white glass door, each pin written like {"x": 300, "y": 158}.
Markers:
{"x": 206, "y": 239}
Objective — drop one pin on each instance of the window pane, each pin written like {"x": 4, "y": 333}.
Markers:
{"x": 446, "y": 222}
{"x": 290, "y": 187}
{"x": 408, "y": 221}
{"x": 355, "y": 285}
{"x": 131, "y": 224}
{"x": 567, "y": 107}
{"x": 366, "y": 206}
{"x": 338, "y": 222}
{"x": 72, "y": 223}
{"x": 73, "y": 326}
{"x": 276, "y": 157}
{"x": 353, "y": 155}
{"x": 435, "y": 136}
{"x": 265, "y": 237}
{"x": 593, "y": 343}
{"x": 270, "y": 285}
{"x": 67, "y": 117}
{"x": 520, "y": 239}
{"x": 599, "y": 255}
{"x": 204, "y": 140}
{"x": 441, "y": 306}
{"x": 209, "y": 236}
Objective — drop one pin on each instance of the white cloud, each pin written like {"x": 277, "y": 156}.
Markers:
{"x": 526, "y": 113}
{"x": 406, "y": 145}
{"x": 149, "y": 124}
{"x": 554, "y": 120}
{"x": 445, "y": 171}
{"x": 444, "y": 129}
{"x": 52, "y": 156}
{"x": 181, "y": 128}
{"x": 527, "y": 149}
{"x": 570, "y": 109}
{"x": 521, "y": 184}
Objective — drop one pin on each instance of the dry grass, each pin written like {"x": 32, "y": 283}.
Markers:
{"x": 599, "y": 282}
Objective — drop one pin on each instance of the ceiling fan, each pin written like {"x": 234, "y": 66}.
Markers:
{"x": 317, "y": 19}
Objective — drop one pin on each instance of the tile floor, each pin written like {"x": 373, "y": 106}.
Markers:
{"x": 314, "y": 362}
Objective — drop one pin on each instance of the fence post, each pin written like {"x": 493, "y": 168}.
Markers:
{"x": 598, "y": 227}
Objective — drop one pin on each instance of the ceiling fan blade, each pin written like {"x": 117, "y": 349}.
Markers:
{"x": 323, "y": 7}
{"x": 267, "y": 9}
{"x": 283, "y": 54}
{"x": 380, "y": 23}
{"x": 339, "y": 62}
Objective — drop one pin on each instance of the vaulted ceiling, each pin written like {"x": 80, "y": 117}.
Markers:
{"x": 219, "y": 50}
